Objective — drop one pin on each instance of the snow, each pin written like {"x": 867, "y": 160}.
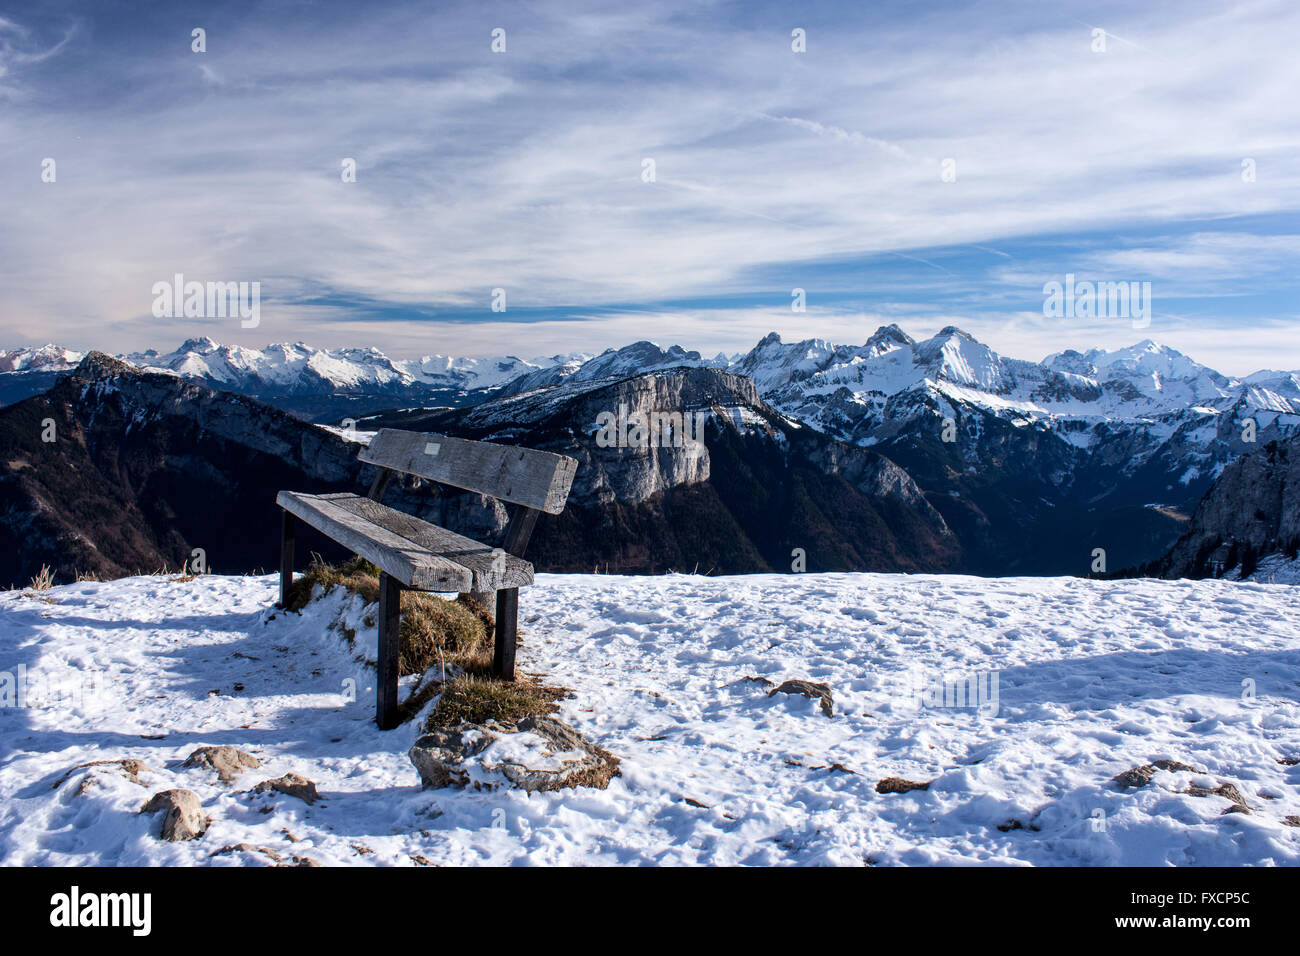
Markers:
{"x": 1078, "y": 396}
{"x": 1092, "y": 678}
{"x": 1274, "y": 569}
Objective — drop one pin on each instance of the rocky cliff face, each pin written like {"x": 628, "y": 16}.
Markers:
{"x": 116, "y": 471}
{"x": 113, "y": 471}
{"x": 1251, "y": 512}
{"x": 740, "y": 492}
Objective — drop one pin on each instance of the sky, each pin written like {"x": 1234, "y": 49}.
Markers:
{"x": 921, "y": 164}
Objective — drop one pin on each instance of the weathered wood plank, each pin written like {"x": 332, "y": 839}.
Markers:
{"x": 406, "y": 561}
{"x": 492, "y": 568}
{"x": 390, "y": 646}
{"x": 524, "y": 476}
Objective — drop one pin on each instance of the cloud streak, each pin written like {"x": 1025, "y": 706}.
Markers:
{"x": 522, "y": 170}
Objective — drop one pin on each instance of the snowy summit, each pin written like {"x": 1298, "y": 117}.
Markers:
{"x": 1012, "y": 721}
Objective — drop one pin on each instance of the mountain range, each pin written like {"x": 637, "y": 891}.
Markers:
{"x": 317, "y": 384}
{"x": 938, "y": 454}
{"x": 140, "y": 468}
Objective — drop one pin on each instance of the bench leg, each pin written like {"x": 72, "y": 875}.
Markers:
{"x": 390, "y": 642}
{"x": 288, "y": 525}
{"x": 503, "y": 649}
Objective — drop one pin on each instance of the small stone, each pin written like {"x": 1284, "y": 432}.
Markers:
{"x": 808, "y": 689}
{"x": 899, "y": 785}
{"x": 291, "y": 784}
{"x": 1132, "y": 779}
{"x": 184, "y": 818}
{"x": 270, "y": 854}
{"x": 1174, "y": 766}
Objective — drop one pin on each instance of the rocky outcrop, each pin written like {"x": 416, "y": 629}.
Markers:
{"x": 1251, "y": 511}
{"x": 742, "y": 498}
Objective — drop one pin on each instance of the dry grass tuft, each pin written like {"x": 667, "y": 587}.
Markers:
{"x": 357, "y": 575}
{"x": 43, "y": 580}
{"x": 478, "y": 700}
{"x": 435, "y": 632}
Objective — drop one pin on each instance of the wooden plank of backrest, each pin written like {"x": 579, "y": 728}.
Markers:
{"x": 404, "y": 560}
{"x": 524, "y": 476}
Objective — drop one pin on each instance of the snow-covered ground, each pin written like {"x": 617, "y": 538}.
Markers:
{"x": 1092, "y": 678}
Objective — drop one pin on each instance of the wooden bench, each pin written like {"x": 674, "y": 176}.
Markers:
{"x": 414, "y": 554}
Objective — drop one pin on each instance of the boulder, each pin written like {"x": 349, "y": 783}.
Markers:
{"x": 227, "y": 761}
{"x": 591, "y": 767}
{"x": 184, "y": 819}
{"x": 440, "y": 755}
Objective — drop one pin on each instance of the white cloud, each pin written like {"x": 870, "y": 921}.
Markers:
{"x": 522, "y": 170}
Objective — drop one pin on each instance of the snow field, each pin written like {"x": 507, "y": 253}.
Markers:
{"x": 1092, "y": 678}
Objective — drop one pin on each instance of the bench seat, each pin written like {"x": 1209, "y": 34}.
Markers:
{"x": 420, "y": 555}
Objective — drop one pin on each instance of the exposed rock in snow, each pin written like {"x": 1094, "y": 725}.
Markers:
{"x": 129, "y": 766}
{"x": 819, "y": 692}
{"x": 183, "y": 817}
{"x": 1226, "y": 790}
{"x": 899, "y": 785}
{"x": 1141, "y": 776}
{"x": 539, "y": 754}
{"x": 229, "y": 762}
{"x": 292, "y": 785}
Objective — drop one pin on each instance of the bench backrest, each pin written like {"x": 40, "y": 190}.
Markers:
{"x": 523, "y": 476}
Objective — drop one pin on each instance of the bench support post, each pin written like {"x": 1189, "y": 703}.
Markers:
{"x": 390, "y": 622}
{"x": 503, "y": 643}
{"x": 378, "y": 486}
{"x": 288, "y": 525}
{"x": 519, "y": 528}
